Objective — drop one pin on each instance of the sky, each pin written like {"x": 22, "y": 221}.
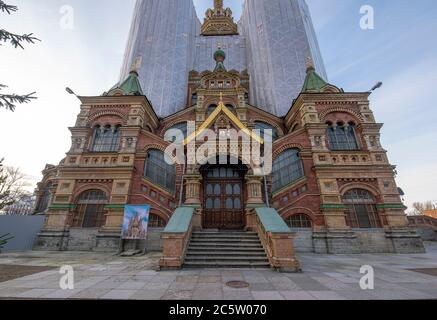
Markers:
{"x": 86, "y": 53}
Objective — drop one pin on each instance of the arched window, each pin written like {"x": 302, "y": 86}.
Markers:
{"x": 194, "y": 99}
{"x": 156, "y": 221}
{"x": 299, "y": 221}
{"x": 44, "y": 200}
{"x": 158, "y": 171}
{"x": 231, "y": 108}
{"x": 90, "y": 209}
{"x": 180, "y": 126}
{"x": 287, "y": 168}
{"x": 265, "y": 128}
{"x": 211, "y": 109}
{"x": 342, "y": 136}
{"x": 361, "y": 209}
{"x": 106, "y": 139}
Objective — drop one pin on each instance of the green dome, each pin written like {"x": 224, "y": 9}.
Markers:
{"x": 219, "y": 54}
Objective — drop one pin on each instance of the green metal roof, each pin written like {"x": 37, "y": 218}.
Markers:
{"x": 271, "y": 220}
{"x": 180, "y": 220}
{"x": 219, "y": 53}
{"x": 130, "y": 87}
{"x": 313, "y": 82}
{"x": 220, "y": 66}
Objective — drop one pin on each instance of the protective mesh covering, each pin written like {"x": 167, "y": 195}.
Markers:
{"x": 275, "y": 38}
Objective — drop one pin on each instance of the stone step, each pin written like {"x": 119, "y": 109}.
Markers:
{"x": 232, "y": 249}
{"x": 223, "y": 236}
{"x": 226, "y": 240}
{"x": 225, "y": 244}
{"x": 225, "y": 232}
{"x": 226, "y": 264}
{"x": 227, "y": 253}
{"x": 259, "y": 249}
{"x": 226, "y": 258}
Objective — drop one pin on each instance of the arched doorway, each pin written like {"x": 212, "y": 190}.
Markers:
{"x": 223, "y": 196}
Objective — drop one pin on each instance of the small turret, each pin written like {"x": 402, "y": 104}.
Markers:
{"x": 220, "y": 57}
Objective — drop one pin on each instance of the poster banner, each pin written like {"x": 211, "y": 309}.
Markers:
{"x": 136, "y": 218}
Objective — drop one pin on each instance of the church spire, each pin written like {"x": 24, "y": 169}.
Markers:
{"x": 218, "y": 4}
{"x": 219, "y": 21}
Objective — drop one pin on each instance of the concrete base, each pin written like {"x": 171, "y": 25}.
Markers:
{"x": 427, "y": 233}
{"x": 107, "y": 241}
{"x": 405, "y": 241}
{"x": 51, "y": 240}
{"x": 81, "y": 239}
{"x": 340, "y": 242}
{"x": 336, "y": 242}
{"x": 358, "y": 241}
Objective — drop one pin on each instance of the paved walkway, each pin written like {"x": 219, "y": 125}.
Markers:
{"x": 103, "y": 276}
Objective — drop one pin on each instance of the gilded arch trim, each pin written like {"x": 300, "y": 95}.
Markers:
{"x": 92, "y": 118}
{"x": 359, "y": 185}
{"x": 326, "y": 112}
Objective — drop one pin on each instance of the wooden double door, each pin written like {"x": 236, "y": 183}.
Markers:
{"x": 223, "y": 191}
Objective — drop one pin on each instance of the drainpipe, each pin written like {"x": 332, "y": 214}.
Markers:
{"x": 182, "y": 181}
{"x": 266, "y": 192}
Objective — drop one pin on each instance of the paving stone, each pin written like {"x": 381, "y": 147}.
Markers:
{"x": 326, "y": 295}
{"x": 108, "y": 284}
{"x": 156, "y": 285}
{"x": 237, "y": 294}
{"x": 12, "y": 292}
{"x": 267, "y": 295}
{"x": 152, "y": 294}
{"x": 178, "y": 295}
{"x": 62, "y": 294}
{"x": 177, "y": 286}
{"x": 253, "y": 279}
{"x": 187, "y": 279}
{"x": 35, "y": 293}
{"x": 147, "y": 273}
{"x": 91, "y": 293}
{"x": 324, "y": 277}
{"x": 296, "y": 295}
{"x": 133, "y": 285}
{"x": 118, "y": 294}
{"x": 262, "y": 286}
{"x": 207, "y": 294}
{"x": 286, "y": 286}
{"x": 309, "y": 284}
{"x": 209, "y": 279}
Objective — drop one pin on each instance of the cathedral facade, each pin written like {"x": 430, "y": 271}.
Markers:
{"x": 331, "y": 188}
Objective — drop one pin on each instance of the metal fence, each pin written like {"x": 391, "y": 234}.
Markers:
{"x": 24, "y": 229}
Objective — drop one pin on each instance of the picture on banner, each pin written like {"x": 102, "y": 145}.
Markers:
{"x": 135, "y": 222}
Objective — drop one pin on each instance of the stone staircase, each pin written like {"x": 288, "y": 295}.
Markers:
{"x": 225, "y": 249}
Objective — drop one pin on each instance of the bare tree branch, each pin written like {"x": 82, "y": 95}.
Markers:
{"x": 13, "y": 184}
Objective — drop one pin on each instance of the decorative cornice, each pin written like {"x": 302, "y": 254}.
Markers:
{"x": 115, "y": 206}
{"x": 391, "y": 206}
{"x": 332, "y": 206}
{"x": 62, "y": 206}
